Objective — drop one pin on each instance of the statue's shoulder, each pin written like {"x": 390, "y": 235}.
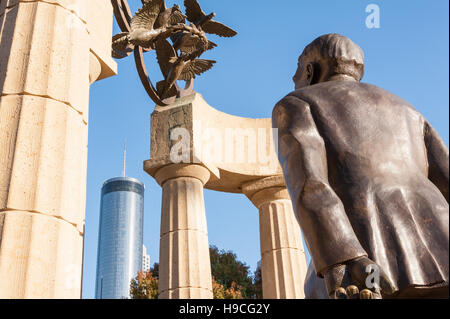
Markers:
{"x": 290, "y": 104}
{"x": 390, "y": 100}
{"x": 334, "y": 91}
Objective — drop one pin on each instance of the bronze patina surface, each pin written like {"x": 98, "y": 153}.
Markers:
{"x": 368, "y": 177}
{"x": 151, "y": 27}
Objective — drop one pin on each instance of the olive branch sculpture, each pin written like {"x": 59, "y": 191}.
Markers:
{"x": 151, "y": 28}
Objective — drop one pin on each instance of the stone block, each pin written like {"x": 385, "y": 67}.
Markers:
{"x": 100, "y": 27}
{"x": 77, "y": 7}
{"x": 43, "y": 165}
{"x": 184, "y": 261}
{"x": 283, "y": 274}
{"x": 278, "y": 227}
{"x": 183, "y": 206}
{"x": 40, "y": 257}
{"x": 236, "y": 150}
{"x": 48, "y": 55}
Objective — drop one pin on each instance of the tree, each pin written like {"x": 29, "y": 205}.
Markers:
{"x": 155, "y": 270}
{"x": 220, "y": 292}
{"x": 144, "y": 286}
{"x": 231, "y": 279}
{"x": 257, "y": 282}
{"x": 226, "y": 270}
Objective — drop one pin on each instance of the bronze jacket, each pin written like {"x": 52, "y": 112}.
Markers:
{"x": 367, "y": 175}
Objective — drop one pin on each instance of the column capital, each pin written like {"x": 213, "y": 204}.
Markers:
{"x": 172, "y": 171}
{"x": 265, "y": 190}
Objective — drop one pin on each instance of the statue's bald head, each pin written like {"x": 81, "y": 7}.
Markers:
{"x": 330, "y": 55}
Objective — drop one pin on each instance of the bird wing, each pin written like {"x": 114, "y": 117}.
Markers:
{"x": 120, "y": 44}
{"x": 175, "y": 37}
{"x": 193, "y": 10}
{"x": 120, "y": 40}
{"x": 163, "y": 3}
{"x": 219, "y": 29}
{"x": 211, "y": 45}
{"x": 194, "y": 68}
{"x": 177, "y": 17}
{"x": 146, "y": 16}
{"x": 194, "y": 44}
{"x": 164, "y": 53}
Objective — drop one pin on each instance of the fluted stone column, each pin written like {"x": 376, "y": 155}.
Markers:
{"x": 283, "y": 259}
{"x": 50, "y": 52}
{"x": 184, "y": 262}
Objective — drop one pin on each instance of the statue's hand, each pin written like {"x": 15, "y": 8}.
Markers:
{"x": 359, "y": 278}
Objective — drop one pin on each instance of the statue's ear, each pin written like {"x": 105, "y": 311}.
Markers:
{"x": 313, "y": 73}
{"x": 309, "y": 73}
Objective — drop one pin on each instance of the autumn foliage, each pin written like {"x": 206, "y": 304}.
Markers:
{"x": 231, "y": 279}
{"x": 220, "y": 292}
{"x": 144, "y": 286}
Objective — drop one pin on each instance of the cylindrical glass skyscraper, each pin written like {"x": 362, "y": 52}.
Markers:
{"x": 119, "y": 255}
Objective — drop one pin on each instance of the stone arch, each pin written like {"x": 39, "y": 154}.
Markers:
{"x": 191, "y": 144}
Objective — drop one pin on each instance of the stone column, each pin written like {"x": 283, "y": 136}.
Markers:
{"x": 184, "y": 261}
{"x": 49, "y": 54}
{"x": 283, "y": 259}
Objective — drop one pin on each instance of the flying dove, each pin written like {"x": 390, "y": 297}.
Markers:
{"x": 142, "y": 24}
{"x": 147, "y": 24}
{"x": 196, "y": 15}
{"x": 177, "y": 68}
{"x": 188, "y": 43}
{"x": 169, "y": 17}
{"x": 121, "y": 48}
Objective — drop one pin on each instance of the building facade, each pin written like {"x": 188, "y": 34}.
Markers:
{"x": 120, "y": 241}
{"x": 145, "y": 260}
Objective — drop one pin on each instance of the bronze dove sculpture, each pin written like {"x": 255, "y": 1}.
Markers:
{"x": 149, "y": 23}
{"x": 177, "y": 68}
{"x": 205, "y": 22}
{"x": 141, "y": 31}
{"x": 170, "y": 16}
{"x": 188, "y": 42}
{"x": 151, "y": 28}
{"x": 121, "y": 48}
{"x": 142, "y": 24}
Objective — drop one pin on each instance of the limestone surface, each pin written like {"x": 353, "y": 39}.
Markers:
{"x": 50, "y": 52}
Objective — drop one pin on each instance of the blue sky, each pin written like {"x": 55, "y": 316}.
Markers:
{"x": 408, "y": 55}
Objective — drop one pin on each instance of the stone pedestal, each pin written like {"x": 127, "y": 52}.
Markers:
{"x": 50, "y": 52}
{"x": 283, "y": 260}
{"x": 184, "y": 262}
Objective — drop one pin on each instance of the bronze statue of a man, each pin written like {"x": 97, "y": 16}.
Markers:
{"x": 368, "y": 177}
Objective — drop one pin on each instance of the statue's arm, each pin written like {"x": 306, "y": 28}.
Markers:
{"x": 437, "y": 153}
{"x": 321, "y": 214}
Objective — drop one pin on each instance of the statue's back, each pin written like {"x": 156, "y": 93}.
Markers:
{"x": 367, "y": 129}
{"x": 377, "y": 165}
